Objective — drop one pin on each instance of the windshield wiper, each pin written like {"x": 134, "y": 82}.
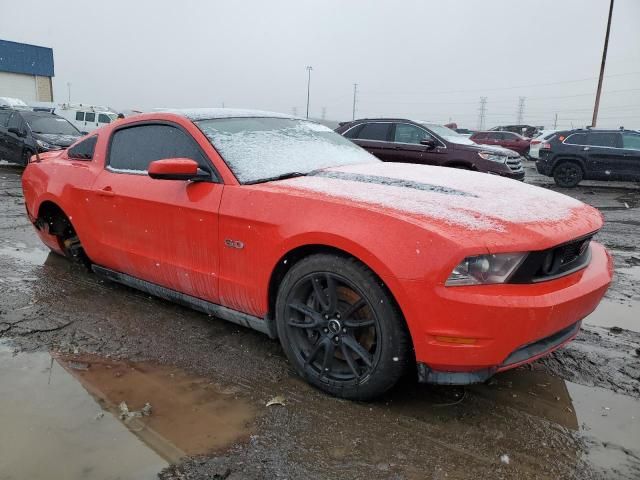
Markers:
{"x": 284, "y": 176}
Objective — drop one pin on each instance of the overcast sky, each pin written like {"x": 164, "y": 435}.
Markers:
{"x": 421, "y": 59}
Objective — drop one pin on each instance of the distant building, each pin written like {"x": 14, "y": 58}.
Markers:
{"x": 26, "y": 72}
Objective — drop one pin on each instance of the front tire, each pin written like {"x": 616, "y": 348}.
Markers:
{"x": 340, "y": 329}
{"x": 567, "y": 174}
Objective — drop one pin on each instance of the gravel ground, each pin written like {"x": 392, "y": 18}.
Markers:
{"x": 416, "y": 431}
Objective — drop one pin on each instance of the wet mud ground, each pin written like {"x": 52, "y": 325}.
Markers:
{"x": 73, "y": 348}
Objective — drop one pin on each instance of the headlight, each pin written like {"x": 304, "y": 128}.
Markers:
{"x": 42, "y": 145}
{"x": 493, "y": 157}
{"x": 485, "y": 269}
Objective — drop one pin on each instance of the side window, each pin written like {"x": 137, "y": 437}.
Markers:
{"x": 353, "y": 132}
{"x": 604, "y": 139}
{"x": 80, "y": 116}
{"x": 89, "y": 117}
{"x": 4, "y": 117}
{"x": 406, "y": 133}
{"x": 14, "y": 121}
{"x": 133, "y": 148}
{"x": 480, "y": 136}
{"x": 576, "y": 139}
{"x": 631, "y": 141}
{"x": 375, "y": 131}
{"x": 83, "y": 150}
{"x": 102, "y": 118}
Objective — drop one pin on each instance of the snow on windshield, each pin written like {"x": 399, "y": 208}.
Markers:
{"x": 258, "y": 149}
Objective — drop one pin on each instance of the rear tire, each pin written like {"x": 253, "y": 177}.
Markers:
{"x": 567, "y": 174}
{"x": 26, "y": 155}
{"x": 340, "y": 329}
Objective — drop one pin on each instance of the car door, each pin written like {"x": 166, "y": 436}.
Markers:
{"x": 605, "y": 156}
{"x": 631, "y": 147}
{"x": 375, "y": 137}
{"x": 14, "y": 143}
{"x": 406, "y": 143}
{"x": 162, "y": 231}
{"x": 90, "y": 121}
{"x": 4, "y": 118}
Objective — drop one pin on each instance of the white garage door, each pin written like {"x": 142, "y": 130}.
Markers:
{"x": 18, "y": 85}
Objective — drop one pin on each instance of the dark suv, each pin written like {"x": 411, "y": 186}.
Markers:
{"x": 575, "y": 155}
{"x": 401, "y": 140}
{"x": 25, "y": 132}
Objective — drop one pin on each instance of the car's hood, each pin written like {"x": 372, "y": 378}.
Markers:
{"x": 487, "y": 148}
{"x": 56, "y": 139}
{"x": 502, "y": 212}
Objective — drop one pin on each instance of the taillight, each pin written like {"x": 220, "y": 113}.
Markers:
{"x": 535, "y": 142}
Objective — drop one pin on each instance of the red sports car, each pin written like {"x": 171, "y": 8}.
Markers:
{"x": 359, "y": 267}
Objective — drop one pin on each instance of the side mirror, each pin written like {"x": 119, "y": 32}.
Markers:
{"x": 176, "y": 169}
{"x": 20, "y": 133}
{"x": 428, "y": 142}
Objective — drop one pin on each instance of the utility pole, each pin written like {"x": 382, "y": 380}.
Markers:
{"x": 309, "y": 68}
{"x": 604, "y": 59}
{"x": 555, "y": 122}
{"x": 324, "y": 113}
{"x": 69, "y": 92}
{"x": 483, "y": 112}
{"x": 294, "y": 111}
{"x": 520, "y": 110}
{"x": 355, "y": 93}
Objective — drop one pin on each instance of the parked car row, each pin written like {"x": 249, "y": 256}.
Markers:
{"x": 408, "y": 141}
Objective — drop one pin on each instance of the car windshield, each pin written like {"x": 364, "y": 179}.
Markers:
{"x": 259, "y": 149}
{"x": 448, "y": 134}
{"x": 50, "y": 124}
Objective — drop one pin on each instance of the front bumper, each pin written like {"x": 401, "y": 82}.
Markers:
{"x": 504, "y": 326}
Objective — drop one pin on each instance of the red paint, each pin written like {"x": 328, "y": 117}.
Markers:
{"x": 173, "y": 233}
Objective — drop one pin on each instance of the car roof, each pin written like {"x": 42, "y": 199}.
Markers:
{"x": 195, "y": 114}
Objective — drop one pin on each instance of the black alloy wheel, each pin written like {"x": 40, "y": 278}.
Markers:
{"x": 340, "y": 329}
{"x": 567, "y": 174}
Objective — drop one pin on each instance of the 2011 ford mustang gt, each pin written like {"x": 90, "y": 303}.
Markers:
{"x": 360, "y": 268}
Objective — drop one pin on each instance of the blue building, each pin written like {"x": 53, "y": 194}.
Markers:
{"x": 26, "y": 71}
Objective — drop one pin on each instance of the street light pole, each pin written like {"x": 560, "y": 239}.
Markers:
{"x": 69, "y": 92}
{"x": 355, "y": 93}
{"x": 604, "y": 59}
{"x": 309, "y": 68}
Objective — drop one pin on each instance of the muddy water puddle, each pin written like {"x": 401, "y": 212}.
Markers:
{"x": 62, "y": 417}
{"x": 610, "y": 314}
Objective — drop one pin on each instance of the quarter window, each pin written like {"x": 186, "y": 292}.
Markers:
{"x": 631, "y": 141}
{"x": 133, "y": 148}
{"x": 89, "y": 117}
{"x": 604, "y": 139}
{"x": 80, "y": 116}
{"x": 83, "y": 150}
{"x": 406, "y": 133}
{"x": 576, "y": 139}
{"x": 102, "y": 118}
{"x": 375, "y": 131}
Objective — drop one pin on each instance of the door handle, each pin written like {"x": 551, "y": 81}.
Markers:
{"x": 106, "y": 192}
{"x": 585, "y": 149}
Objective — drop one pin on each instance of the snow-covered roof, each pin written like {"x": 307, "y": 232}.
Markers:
{"x": 195, "y": 114}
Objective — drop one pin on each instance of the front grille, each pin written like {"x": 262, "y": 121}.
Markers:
{"x": 554, "y": 262}
{"x": 514, "y": 163}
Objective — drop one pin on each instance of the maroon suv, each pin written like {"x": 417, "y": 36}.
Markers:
{"x": 406, "y": 141}
{"x": 509, "y": 140}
